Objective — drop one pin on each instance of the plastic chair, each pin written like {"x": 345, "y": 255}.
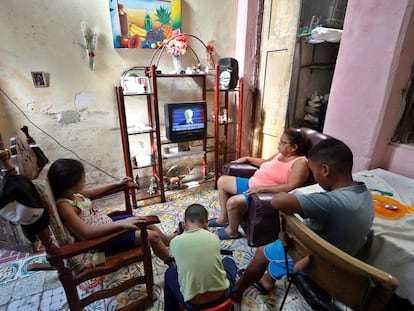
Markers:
{"x": 224, "y": 306}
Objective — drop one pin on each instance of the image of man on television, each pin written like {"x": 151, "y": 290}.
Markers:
{"x": 188, "y": 114}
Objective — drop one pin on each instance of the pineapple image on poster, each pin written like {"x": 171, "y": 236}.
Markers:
{"x": 144, "y": 23}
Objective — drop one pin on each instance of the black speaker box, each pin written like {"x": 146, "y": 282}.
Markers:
{"x": 228, "y": 73}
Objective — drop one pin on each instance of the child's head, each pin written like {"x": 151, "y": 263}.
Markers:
{"x": 330, "y": 156}
{"x": 64, "y": 174}
{"x": 196, "y": 213}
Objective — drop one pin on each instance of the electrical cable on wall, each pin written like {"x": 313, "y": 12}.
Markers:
{"x": 54, "y": 139}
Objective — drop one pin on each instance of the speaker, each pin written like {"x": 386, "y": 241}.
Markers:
{"x": 228, "y": 73}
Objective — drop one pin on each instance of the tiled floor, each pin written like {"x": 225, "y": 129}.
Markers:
{"x": 7, "y": 255}
{"x": 32, "y": 291}
{"x": 22, "y": 290}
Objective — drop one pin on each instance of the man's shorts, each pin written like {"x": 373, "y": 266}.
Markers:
{"x": 275, "y": 253}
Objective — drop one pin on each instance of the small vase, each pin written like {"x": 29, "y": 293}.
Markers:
{"x": 177, "y": 63}
{"x": 210, "y": 62}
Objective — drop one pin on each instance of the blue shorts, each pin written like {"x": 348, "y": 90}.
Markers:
{"x": 242, "y": 184}
{"x": 123, "y": 243}
{"x": 275, "y": 253}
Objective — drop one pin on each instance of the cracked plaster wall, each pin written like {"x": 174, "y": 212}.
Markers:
{"x": 78, "y": 109}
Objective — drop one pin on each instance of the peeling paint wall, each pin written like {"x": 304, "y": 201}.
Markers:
{"x": 77, "y": 112}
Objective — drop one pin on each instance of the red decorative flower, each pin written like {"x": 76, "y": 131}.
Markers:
{"x": 210, "y": 46}
{"x": 177, "y": 46}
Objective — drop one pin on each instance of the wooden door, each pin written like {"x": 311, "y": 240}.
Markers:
{"x": 280, "y": 23}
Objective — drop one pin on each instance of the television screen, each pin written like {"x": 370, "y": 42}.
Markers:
{"x": 185, "y": 121}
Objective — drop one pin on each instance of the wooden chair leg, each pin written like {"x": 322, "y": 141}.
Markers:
{"x": 65, "y": 277}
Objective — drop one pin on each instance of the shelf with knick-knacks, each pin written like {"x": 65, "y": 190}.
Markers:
{"x": 227, "y": 118}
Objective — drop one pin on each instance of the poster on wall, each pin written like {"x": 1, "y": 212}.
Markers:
{"x": 144, "y": 23}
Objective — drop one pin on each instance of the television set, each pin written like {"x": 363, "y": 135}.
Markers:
{"x": 185, "y": 121}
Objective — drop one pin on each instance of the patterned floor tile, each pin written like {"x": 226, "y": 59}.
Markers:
{"x": 43, "y": 290}
{"x": 53, "y": 299}
{"x": 6, "y": 291}
{"x": 28, "y": 303}
{"x": 9, "y": 271}
{"x": 29, "y": 285}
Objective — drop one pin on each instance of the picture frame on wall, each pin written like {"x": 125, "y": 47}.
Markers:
{"x": 144, "y": 24}
{"x": 136, "y": 85}
{"x": 39, "y": 79}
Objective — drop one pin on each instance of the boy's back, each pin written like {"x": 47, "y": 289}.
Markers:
{"x": 197, "y": 256}
{"x": 201, "y": 279}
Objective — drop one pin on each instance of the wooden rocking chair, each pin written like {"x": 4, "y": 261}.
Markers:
{"x": 26, "y": 158}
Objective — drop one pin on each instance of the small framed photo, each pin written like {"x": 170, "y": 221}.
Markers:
{"x": 144, "y": 83}
{"x": 136, "y": 85}
{"x": 39, "y": 79}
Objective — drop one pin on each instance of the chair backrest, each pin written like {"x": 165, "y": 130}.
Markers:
{"x": 353, "y": 282}
{"x": 313, "y": 137}
{"x": 26, "y": 158}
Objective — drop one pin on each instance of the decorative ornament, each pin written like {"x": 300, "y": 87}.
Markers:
{"x": 89, "y": 44}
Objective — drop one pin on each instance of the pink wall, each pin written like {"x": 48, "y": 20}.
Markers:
{"x": 372, "y": 68}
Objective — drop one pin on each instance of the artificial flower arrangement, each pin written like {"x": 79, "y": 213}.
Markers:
{"x": 177, "y": 46}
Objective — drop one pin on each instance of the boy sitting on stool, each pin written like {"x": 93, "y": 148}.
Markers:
{"x": 200, "y": 279}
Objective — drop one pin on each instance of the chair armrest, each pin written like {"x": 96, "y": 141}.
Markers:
{"x": 245, "y": 170}
{"x": 80, "y": 247}
{"x": 262, "y": 223}
{"x": 116, "y": 189}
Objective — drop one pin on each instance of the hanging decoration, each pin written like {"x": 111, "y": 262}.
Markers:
{"x": 89, "y": 44}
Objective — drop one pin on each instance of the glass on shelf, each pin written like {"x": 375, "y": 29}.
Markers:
{"x": 139, "y": 128}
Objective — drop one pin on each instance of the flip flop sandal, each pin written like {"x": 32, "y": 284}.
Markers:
{"x": 213, "y": 223}
{"x": 260, "y": 288}
{"x": 223, "y": 235}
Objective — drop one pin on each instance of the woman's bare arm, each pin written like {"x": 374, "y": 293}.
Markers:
{"x": 253, "y": 160}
